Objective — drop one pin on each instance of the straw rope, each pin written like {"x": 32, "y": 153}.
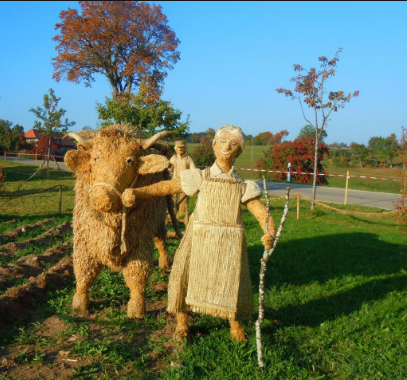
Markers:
{"x": 371, "y": 214}
{"x": 111, "y": 187}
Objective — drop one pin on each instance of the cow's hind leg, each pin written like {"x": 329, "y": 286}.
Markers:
{"x": 163, "y": 260}
{"x": 86, "y": 271}
{"x": 136, "y": 274}
{"x": 160, "y": 243}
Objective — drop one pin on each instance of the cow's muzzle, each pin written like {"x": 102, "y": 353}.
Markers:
{"x": 105, "y": 197}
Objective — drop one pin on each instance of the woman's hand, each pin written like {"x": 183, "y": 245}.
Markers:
{"x": 129, "y": 197}
{"x": 267, "y": 240}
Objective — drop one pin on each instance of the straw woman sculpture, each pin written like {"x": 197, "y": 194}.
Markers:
{"x": 210, "y": 273}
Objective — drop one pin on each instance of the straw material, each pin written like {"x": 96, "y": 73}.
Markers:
{"x": 210, "y": 272}
{"x": 222, "y": 201}
{"x": 218, "y": 249}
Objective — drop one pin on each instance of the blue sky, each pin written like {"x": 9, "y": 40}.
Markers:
{"x": 234, "y": 55}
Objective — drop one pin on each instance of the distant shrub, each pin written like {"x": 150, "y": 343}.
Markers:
{"x": 203, "y": 154}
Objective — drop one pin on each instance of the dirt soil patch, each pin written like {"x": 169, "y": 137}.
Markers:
{"x": 19, "y": 300}
{"x": 24, "y": 229}
{"x": 40, "y": 241}
{"x": 32, "y": 265}
{"x": 53, "y": 347}
{"x": 59, "y": 362}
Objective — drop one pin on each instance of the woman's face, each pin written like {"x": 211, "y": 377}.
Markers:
{"x": 227, "y": 147}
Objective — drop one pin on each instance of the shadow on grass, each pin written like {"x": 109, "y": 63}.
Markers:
{"x": 314, "y": 312}
{"x": 318, "y": 260}
{"x": 303, "y": 261}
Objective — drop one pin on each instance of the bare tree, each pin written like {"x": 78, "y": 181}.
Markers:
{"x": 310, "y": 89}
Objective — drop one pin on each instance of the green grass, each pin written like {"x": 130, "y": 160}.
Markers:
{"x": 335, "y": 308}
{"x": 365, "y": 184}
{"x": 336, "y": 291}
{"x": 30, "y": 206}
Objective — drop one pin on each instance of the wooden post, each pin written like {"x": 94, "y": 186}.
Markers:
{"x": 346, "y": 188}
{"x": 60, "y": 200}
{"x": 5, "y": 155}
{"x": 298, "y": 206}
{"x": 55, "y": 160}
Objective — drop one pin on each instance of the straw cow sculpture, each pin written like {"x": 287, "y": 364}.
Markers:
{"x": 106, "y": 234}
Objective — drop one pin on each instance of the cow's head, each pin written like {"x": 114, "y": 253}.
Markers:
{"x": 114, "y": 157}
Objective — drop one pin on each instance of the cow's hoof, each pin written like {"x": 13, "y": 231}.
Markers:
{"x": 181, "y": 332}
{"x": 164, "y": 262}
{"x": 80, "y": 304}
{"x": 136, "y": 309}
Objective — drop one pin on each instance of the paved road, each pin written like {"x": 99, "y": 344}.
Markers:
{"x": 325, "y": 194}
{"x": 335, "y": 195}
{"x": 26, "y": 161}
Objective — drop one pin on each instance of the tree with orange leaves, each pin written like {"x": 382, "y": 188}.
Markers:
{"x": 128, "y": 42}
{"x": 310, "y": 88}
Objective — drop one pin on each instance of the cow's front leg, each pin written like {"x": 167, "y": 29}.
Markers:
{"x": 136, "y": 274}
{"x": 86, "y": 270}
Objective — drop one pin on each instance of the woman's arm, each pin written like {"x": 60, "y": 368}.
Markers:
{"x": 158, "y": 189}
{"x": 259, "y": 210}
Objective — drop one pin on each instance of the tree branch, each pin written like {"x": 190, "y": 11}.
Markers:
{"x": 264, "y": 259}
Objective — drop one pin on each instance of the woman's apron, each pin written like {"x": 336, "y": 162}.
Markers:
{"x": 219, "y": 281}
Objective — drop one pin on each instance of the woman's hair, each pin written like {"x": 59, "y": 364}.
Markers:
{"x": 236, "y": 131}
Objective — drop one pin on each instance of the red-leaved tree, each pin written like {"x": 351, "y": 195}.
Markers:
{"x": 45, "y": 146}
{"x": 129, "y": 42}
{"x": 310, "y": 89}
{"x": 300, "y": 153}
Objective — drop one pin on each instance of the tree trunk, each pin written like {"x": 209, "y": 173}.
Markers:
{"x": 314, "y": 181}
{"x": 49, "y": 150}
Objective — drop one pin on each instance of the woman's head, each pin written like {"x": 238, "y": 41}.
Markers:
{"x": 228, "y": 142}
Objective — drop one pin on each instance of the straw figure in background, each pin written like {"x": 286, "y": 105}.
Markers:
{"x": 181, "y": 161}
{"x": 210, "y": 273}
{"x": 107, "y": 234}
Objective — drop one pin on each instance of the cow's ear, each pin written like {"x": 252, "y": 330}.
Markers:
{"x": 153, "y": 163}
{"x": 77, "y": 161}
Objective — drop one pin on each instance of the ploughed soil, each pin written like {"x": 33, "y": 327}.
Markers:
{"x": 25, "y": 287}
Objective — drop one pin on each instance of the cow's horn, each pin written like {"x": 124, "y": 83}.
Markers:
{"x": 79, "y": 139}
{"x": 145, "y": 144}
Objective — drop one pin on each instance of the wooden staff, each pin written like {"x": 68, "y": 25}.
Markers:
{"x": 263, "y": 262}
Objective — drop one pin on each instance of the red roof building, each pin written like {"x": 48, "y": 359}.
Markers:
{"x": 64, "y": 144}
{"x": 32, "y": 136}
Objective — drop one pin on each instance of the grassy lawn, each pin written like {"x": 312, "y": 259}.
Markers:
{"x": 37, "y": 204}
{"x": 335, "y": 302}
{"x": 336, "y": 296}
